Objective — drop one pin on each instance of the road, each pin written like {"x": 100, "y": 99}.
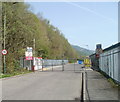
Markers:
{"x": 47, "y": 85}
{"x": 59, "y": 85}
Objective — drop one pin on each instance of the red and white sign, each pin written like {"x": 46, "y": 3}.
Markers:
{"x": 29, "y": 58}
{"x": 4, "y": 52}
{"x": 29, "y": 54}
{"x": 39, "y": 57}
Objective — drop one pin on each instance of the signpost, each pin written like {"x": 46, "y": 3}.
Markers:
{"x": 4, "y": 52}
{"x": 29, "y": 56}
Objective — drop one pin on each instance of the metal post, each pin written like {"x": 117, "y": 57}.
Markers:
{"x": 52, "y": 66}
{"x": 4, "y": 71}
{"x": 62, "y": 65}
{"x": 74, "y": 66}
{"x": 23, "y": 62}
{"x": 33, "y": 65}
{"x": 42, "y": 64}
{"x": 1, "y": 41}
{"x": 62, "y": 62}
{"x": 30, "y": 66}
{"x": 34, "y": 46}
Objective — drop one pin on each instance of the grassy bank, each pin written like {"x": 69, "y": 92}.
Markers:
{"x": 14, "y": 73}
{"x": 112, "y": 81}
{"x": 114, "y": 84}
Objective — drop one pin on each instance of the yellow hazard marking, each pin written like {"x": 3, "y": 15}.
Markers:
{"x": 44, "y": 69}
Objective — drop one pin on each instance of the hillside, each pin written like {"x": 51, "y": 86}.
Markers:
{"x": 22, "y": 27}
{"x": 82, "y": 51}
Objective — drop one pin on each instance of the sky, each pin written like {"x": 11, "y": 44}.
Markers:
{"x": 83, "y": 23}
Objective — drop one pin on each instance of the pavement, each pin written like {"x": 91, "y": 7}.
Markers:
{"x": 98, "y": 87}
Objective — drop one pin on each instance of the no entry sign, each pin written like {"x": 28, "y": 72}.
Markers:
{"x": 4, "y": 51}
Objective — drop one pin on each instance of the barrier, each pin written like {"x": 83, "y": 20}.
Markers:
{"x": 87, "y": 62}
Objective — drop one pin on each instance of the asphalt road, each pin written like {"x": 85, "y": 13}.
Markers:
{"x": 47, "y": 85}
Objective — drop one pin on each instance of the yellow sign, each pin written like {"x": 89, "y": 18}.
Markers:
{"x": 87, "y": 62}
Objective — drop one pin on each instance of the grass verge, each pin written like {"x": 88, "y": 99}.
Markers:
{"x": 114, "y": 84}
{"x": 14, "y": 73}
{"x": 112, "y": 81}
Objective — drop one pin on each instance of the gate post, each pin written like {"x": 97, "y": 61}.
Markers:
{"x": 74, "y": 65}
{"x": 42, "y": 64}
{"x": 52, "y": 66}
{"x": 62, "y": 65}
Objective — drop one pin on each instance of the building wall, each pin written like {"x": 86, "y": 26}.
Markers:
{"x": 109, "y": 62}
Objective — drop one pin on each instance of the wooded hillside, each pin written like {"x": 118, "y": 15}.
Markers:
{"x": 22, "y": 27}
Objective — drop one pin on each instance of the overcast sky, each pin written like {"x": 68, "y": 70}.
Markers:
{"x": 82, "y": 23}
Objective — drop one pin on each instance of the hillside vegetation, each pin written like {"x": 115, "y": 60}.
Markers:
{"x": 22, "y": 27}
{"x": 82, "y": 51}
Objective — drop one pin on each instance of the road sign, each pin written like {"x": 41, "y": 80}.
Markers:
{"x": 4, "y": 51}
{"x": 29, "y": 58}
{"x": 28, "y": 54}
{"x": 39, "y": 57}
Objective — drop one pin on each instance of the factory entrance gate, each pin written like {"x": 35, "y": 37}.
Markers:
{"x": 68, "y": 65}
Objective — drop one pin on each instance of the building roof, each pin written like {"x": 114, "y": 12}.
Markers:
{"x": 109, "y": 48}
{"x": 112, "y": 47}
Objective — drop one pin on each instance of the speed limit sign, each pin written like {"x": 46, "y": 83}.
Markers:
{"x": 4, "y": 52}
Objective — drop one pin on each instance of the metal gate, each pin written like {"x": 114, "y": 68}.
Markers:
{"x": 27, "y": 64}
{"x": 52, "y": 64}
{"x": 61, "y": 65}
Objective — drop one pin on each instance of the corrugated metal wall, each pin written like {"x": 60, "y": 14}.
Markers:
{"x": 109, "y": 62}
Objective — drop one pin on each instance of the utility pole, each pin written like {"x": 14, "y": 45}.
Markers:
{"x": 1, "y": 40}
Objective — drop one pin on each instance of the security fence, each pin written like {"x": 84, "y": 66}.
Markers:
{"x": 40, "y": 63}
{"x": 51, "y": 64}
{"x": 27, "y": 64}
